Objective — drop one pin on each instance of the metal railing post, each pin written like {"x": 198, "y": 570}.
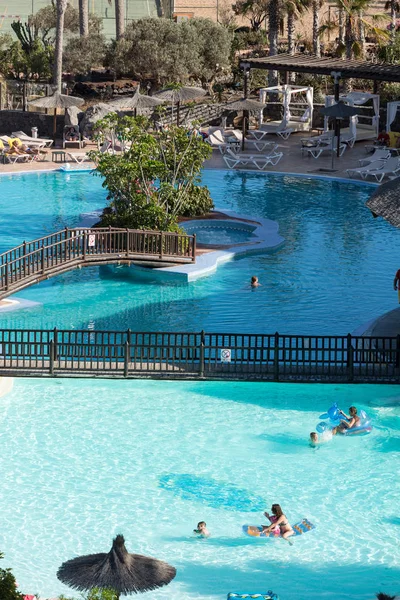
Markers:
{"x": 55, "y": 346}
{"x": 42, "y": 260}
{"x": 51, "y": 357}
{"x": 350, "y": 359}
{"x": 202, "y": 343}
{"x": 6, "y": 276}
{"x": 127, "y": 242}
{"x": 126, "y": 359}
{"x": 276, "y": 357}
{"x": 161, "y": 244}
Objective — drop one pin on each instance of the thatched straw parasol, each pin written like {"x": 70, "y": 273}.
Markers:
{"x": 246, "y": 105}
{"x": 137, "y": 102}
{"x": 55, "y": 101}
{"x": 118, "y": 570}
{"x": 385, "y": 202}
{"x": 177, "y": 94}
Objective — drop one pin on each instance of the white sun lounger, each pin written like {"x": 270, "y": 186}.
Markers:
{"x": 257, "y": 144}
{"x": 13, "y": 158}
{"x": 390, "y": 167}
{"x": 316, "y": 151}
{"x": 45, "y": 142}
{"x": 379, "y": 154}
{"x": 259, "y": 161}
{"x": 282, "y": 130}
{"x": 362, "y": 171}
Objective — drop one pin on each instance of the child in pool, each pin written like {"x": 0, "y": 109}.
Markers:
{"x": 254, "y": 282}
{"x": 315, "y": 439}
{"x": 202, "y": 530}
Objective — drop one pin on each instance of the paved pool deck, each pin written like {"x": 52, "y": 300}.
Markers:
{"x": 291, "y": 162}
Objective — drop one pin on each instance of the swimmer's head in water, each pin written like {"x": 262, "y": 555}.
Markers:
{"x": 254, "y": 279}
{"x": 201, "y": 525}
{"x": 314, "y": 437}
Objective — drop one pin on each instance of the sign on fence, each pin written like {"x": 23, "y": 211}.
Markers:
{"x": 92, "y": 240}
{"x": 226, "y": 355}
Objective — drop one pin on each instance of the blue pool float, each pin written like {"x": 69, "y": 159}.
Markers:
{"x": 334, "y": 417}
{"x": 257, "y": 531}
{"x": 267, "y": 596}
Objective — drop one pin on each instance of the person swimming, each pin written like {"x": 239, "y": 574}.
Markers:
{"x": 202, "y": 530}
{"x": 314, "y": 440}
{"x": 254, "y": 282}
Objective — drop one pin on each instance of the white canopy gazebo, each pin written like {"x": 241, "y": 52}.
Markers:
{"x": 287, "y": 93}
{"x": 392, "y": 108}
{"x": 360, "y": 131}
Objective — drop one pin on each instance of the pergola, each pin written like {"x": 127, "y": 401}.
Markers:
{"x": 315, "y": 65}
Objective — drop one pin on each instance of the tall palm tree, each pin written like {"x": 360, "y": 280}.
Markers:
{"x": 119, "y": 18}
{"x": 61, "y": 8}
{"x": 274, "y": 14}
{"x": 84, "y": 18}
{"x": 353, "y": 11}
{"x": 394, "y": 7}
{"x": 316, "y": 5}
{"x": 293, "y": 9}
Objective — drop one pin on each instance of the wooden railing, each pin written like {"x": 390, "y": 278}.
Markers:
{"x": 200, "y": 355}
{"x": 32, "y": 262}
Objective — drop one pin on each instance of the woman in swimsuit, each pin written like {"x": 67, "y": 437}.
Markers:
{"x": 281, "y": 521}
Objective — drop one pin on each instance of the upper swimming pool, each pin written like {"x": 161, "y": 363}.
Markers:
{"x": 333, "y": 273}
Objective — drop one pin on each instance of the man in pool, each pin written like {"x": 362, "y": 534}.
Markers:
{"x": 352, "y": 421}
{"x": 254, "y": 282}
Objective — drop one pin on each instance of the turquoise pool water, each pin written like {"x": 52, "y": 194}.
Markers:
{"x": 83, "y": 460}
{"x": 219, "y": 234}
{"x": 333, "y": 273}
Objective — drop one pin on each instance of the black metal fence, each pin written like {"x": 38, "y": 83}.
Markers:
{"x": 269, "y": 357}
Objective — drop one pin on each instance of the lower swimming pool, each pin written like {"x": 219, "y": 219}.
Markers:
{"x": 83, "y": 460}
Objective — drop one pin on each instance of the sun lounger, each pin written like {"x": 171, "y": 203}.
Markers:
{"x": 362, "y": 171}
{"x": 379, "y": 154}
{"x": 390, "y": 167}
{"x": 260, "y": 161}
{"x": 317, "y": 150}
{"x": 27, "y": 139}
{"x": 259, "y": 145}
{"x": 282, "y": 130}
{"x": 78, "y": 157}
{"x": 13, "y": 158}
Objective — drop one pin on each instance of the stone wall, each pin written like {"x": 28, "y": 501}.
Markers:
{"x": 18, "y": 120}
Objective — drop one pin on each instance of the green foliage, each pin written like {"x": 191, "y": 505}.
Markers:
{"x": 390, "y": 53}
{"x": 390, "y": 92}
{"x": 8, "y": 585}
{"x": 162, "y": 50}
{"x": 43, "y": 23}
{"x": 30, "y": 55}
{"x": 81, "y": 54}
{"x": 156, "y": 179}
{"x": 99, "y": 594}
{"x": 256, "y": 11}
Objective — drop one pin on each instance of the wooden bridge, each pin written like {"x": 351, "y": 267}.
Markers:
{"x": 32, "y": 262}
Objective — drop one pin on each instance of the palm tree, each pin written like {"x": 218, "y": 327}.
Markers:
{"x": 353, "y": 30}
{"x": 61, "y": 8}
{"x": 293, "y": 9}
{"x": 84, "y": 18}
{"x": 316, "y": 5}
{"x": 394, "y": 7}
{"x": 274, "y": 10}
{"x": 119, "y": 18}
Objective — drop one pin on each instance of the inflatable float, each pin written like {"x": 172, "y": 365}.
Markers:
{"x": 257, "y": 531}
{"x": 333, "y": 419}
{"x": 267, "y": 596}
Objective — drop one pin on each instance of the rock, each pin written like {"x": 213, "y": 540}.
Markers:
{"x": 72, "y": 116}
{"x": 92, "y": 115}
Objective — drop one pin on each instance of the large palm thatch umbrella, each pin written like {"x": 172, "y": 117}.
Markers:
{"x": 137, "y": 102}
{"x": 385, "y": 202}
{"x": 118, "y": 570}
{"x": 55, "y": 101}
{"x": 246, "y": 105}
{"x": 177, "y": 94}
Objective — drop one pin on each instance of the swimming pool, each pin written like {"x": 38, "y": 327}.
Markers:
{"x": 333, "y": 273}
{"x": 219, "y": 232}
{"x": 83, "y": 460}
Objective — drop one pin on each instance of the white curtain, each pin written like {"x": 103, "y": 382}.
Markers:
{"x": 375, "y": 118}
{"x": 392, "y": 108}
{"x": 307, "y": 116}
{"x": 263, "y": 97}
{"x": 287, "y": 96}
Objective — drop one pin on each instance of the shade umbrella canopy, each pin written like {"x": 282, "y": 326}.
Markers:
{"x": 137, "y": 101}
{"x": 385, "y": 202}
{"x": 181, "y": 94}
{"x": 57, "y": 100}
{"x": 118, "y": 570}
{"x": 245, "y": 104}
{"x": 248, "y": 105}
{"x": 340, "y": 110}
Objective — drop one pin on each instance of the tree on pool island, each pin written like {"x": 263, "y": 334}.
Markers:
{"x": 156, "y": 178}
{"x": 8, "y": 585}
